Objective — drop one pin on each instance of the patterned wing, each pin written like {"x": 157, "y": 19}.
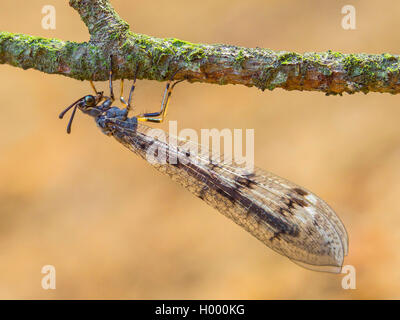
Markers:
{"x": 284, "y": 216}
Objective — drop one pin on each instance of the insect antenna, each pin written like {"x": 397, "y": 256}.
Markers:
{"x": 70, "y": 120}
{"x": 62, "y": 114}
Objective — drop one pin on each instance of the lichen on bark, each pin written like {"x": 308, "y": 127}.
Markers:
{"x": 329, "y": 72}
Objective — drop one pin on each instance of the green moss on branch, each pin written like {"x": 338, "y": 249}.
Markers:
{"x": 329, "y": 72}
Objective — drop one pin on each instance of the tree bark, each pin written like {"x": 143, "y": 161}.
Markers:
{"x": 157, "y": 59}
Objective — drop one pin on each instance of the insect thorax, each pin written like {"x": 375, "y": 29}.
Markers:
{"x": 115, "y": 120}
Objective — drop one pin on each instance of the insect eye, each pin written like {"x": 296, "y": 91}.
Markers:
{"x": 89, "y": 101}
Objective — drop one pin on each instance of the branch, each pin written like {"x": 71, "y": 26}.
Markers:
{"x": 329, "y": 72}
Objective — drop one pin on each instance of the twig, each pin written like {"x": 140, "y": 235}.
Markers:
{"x": 329, "y": 72}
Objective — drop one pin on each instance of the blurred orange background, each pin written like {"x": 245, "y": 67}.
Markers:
{"x": 113, "y": 227}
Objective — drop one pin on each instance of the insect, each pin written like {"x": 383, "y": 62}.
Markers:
{"x": 284, "y": 216}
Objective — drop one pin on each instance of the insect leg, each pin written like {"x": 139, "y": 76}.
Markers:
{"x": 93, "y": 87}
{"x": 128, "y": 104}
{"x": 164, "y": 104}
{"x": 110, "y": 80}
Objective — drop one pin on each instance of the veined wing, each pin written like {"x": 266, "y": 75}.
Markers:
{"x": 284, "y": 216}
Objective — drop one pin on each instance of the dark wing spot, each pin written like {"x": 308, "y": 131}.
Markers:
{"x": 284, "y": 212}
{"x": 275, "y": 236}
{"x": 281, "y": 225}
{"x": 142, "y": 145}
{"x": 227, "y": 193}
{"x": 293, "y": 200}
{"x": 289, "y": 203}
{"x": 300, "y": 191}
{"x": 300, "y": 202}
{"x": 245, "y": 181}
{"x": 212, "y": 164}
{"x": 203, "y": 192}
